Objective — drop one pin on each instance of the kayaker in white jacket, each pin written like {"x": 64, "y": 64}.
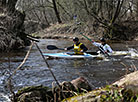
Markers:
{"x": 103, "y": 46}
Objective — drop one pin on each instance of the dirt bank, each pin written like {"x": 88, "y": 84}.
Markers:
{"x": 69, "y": 30}
{"x": 66, "y": 31}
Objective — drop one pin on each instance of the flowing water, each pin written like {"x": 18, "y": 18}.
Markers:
{"x": 35, "y": 72}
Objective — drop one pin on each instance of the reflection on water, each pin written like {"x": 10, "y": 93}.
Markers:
{"x": 35, "y": 71}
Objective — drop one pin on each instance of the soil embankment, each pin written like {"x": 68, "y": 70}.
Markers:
{"x": 69, "y": 30}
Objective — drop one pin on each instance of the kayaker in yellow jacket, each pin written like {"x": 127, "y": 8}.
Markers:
{"x": 79, "y": 48}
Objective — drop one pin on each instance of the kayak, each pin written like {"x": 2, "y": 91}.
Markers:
{"x": 120, "y": 53}
{"x": 86, "y": 55}
{"x": 71, "y": 55}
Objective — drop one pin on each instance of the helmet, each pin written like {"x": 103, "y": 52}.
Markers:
{"x": 75, "y": 39}
{"x": 102, "y": 39}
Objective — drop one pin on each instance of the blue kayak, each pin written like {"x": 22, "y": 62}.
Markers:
{"x": 70, "y": 55}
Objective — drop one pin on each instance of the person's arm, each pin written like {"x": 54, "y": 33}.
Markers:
{"x": 68, "y": 48}
{"x": 84, "y": 48}
{"x": 96, "y": 43}
{"x": 100, "y": 46}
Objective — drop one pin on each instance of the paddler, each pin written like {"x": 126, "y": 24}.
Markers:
{"x": 79, "y": 48}
{"x": 103, "y": 46}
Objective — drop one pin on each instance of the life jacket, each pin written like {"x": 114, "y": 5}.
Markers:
{"x": 103, "y": 48}
{"x": 77, "y": 49}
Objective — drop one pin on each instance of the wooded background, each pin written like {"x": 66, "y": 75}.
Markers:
{"x": 104, "y": 11}
{"x": 107, "y": 14}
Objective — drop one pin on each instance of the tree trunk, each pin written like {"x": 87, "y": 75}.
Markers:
{"x": 11, "y": 4}
{"x": 137, "y": 9}
{"x": 56, "y": 11}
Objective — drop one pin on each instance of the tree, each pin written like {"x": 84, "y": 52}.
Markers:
{"x": 56, "y": 11}
{"x": 106, "y": 15}
{"x": 11, "y": 27}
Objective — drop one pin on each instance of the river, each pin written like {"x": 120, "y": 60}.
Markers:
{"x": 35, "y": 72}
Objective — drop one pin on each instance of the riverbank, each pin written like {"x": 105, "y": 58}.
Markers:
{"x": 79, "y": 90}
{"x": 123, "y": 90}
{"x": 68, "y": 31}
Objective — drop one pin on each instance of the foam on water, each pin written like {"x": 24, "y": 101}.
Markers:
{"x": 133, "y": 53}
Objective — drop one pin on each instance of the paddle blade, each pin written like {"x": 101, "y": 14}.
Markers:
{"x": 92, "y": 53}
{"x": 51, "y": 47}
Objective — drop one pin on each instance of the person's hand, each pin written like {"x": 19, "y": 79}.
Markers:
{"x": 65, "y": 49}
{"x": 92, "y": 41}
{"x": 81, "y": 51}
{"x": 105, "y": 52}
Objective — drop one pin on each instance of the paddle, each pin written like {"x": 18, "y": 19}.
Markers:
{"x": 53, "y": 47}
{"x": 100, "y": 48}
